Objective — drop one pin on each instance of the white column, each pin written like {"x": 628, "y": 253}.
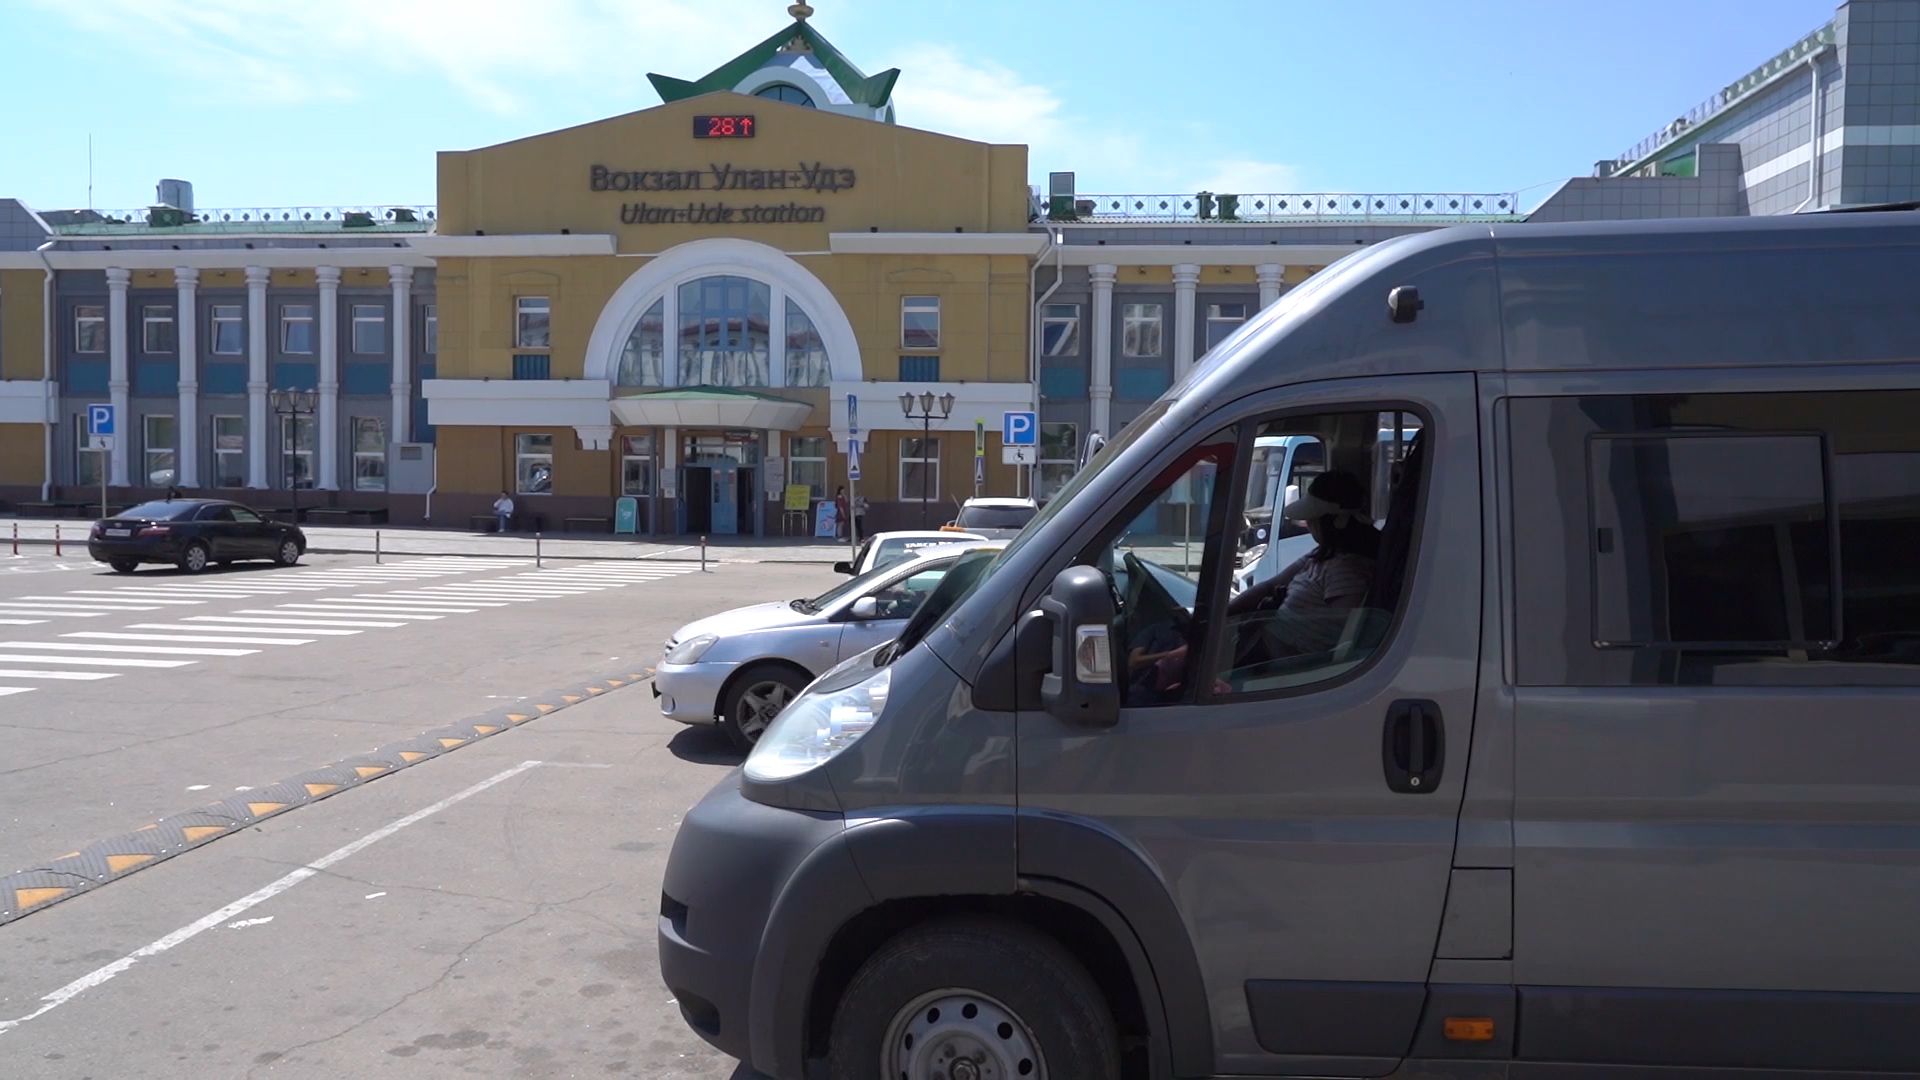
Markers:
{"x": 666, "y": 510}
{"x": 1268, "y": 275}
{"x": 187, "y": 456}
{"x": 401, "y": 277}
{"x": 327, "y": 417}
{"x": 1185, "y": 277}
{"x": 117, "y": 381}
{"x": 1100, "y": 388}
{"x": 257, "y": 278}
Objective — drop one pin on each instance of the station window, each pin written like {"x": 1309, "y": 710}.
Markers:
{"x": 919, "y": 468}
{"x": 1222, "y": 320}
{"x": 644, "y": 361}
{"x": 636, "y": 465}
{"x": 430, "y": 329}
{"x": 1059, "y": 457}
{"x": 723, "y": 331}
{"x": 807, "y": 463}
{"x": 919, "y": 322}
{"x": 369, "y": 329}
{"x": 532, "y": 322}
{"x": 229, "y": 451}
{"x": 89, "y": 465}
{"x": 533, "y": 464}
{"x": 369, "y": 453}
{"x": 156, "y": 329}
{"x": 1142, "y": 329}
{"x": 296, "y": 451}
{"x": 229, "y": 331}
{"x": 89, "y": 328}
{"x": 792, "y": 95}
{"x": 919, "y": 369}
{"x": 1060, "y": 330}
{"x": 807, "y": 363}
{"x": 157, "y": 450}
{"x": 296, "y": 329}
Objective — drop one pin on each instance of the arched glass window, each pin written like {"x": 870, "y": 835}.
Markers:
{"x": 723, "y": 332}
{"x": 806, "y": 354}
{"x": 792, "y": 95}
{"x": 644, "y": 362}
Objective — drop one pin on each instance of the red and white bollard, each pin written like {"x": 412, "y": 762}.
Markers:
{"x": 56, "y": 539}
{"x": 16, "y": 538}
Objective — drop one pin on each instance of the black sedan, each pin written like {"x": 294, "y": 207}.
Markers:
{"x": 191, "y": 533}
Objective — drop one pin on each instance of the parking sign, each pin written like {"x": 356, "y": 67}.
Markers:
{"x": 1020, "y": 428}
{"x": 99, "y": 427}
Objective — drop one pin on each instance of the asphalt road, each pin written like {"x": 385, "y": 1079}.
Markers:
{"x": 489, "y": 910}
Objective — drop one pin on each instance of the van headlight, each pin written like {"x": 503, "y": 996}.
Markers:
{"x": 816, "y": 726}
{"x": 691, "y": 650}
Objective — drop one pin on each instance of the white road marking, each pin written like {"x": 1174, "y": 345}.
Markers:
{"x": 42, "y": 609}
{"x": 444, "y": 599}
{"x": 162, "y": 650}
{"x": 244, "y": 923}
{"x": 205, "y": 639}
{"x": 256, "y": 620}
{"x": 375, "y": 895}
{"x": 101, "y": 975}
{"x": 318, "y": 612}
{"x": 75, "y": 676}
{"x": 198, "y": 787}
{"x": 98, "y": 603}
{"x": 78, "y": 599}
{"x": 204, "y": 628}
{"x": 21, "y": 622}
{"x": 342, "y": 603}
{"x": 8, "y": 690}
{"x": 98, "y": 661}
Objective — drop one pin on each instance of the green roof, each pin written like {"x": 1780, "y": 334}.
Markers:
{"x": 708, "y": 393}
{"x": 869, "y": 90}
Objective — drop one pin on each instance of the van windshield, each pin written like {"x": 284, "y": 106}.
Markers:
{"x": 976, "y": 566}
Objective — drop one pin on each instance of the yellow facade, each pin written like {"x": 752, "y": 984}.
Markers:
{"x": 22, "y": 454}
{"x": 22, "y": 325}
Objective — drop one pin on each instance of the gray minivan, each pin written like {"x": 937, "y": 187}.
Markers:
{"x": 1579, "y": 746}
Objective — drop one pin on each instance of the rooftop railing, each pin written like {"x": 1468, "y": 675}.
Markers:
{"x": 1779, "y": 64}
{"x": 1327, "y": 207}
{"x": 378, "y": 217}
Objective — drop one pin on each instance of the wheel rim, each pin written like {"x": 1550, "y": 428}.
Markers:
{"x": 959, "y": 1035}
{"x": 289, "y": 552}
{"x": 196, "y": 558}
{"x": 759, "y": 705}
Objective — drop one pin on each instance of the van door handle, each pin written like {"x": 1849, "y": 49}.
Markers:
{"x": 1413, "y": 747}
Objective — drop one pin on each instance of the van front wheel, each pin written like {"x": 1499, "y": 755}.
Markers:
{"x": 972, "y": 999}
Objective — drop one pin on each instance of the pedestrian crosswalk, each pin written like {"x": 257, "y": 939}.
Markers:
{"x": 292, "y": 608}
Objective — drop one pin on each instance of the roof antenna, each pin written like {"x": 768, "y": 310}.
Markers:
{"x": 89, "y": 170}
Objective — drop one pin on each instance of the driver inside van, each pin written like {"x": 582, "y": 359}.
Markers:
{"x": 1303, "y": 609}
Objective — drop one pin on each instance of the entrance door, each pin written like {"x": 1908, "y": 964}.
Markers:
{"x": 697, "y": 494}
{"x": 1289, "y": 760}
{"x": 723, "y": 502}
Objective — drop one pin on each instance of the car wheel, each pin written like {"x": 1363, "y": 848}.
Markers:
{"x": 972, "y": 999}
{"x": 194, "y": 559}
{"x": 124, "y": 566}
{"x": 289, "y": 552}
{"x": 755, "y": 698}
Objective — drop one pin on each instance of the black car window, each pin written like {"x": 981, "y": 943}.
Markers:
{"x": 216, "y": 513}
{"x": 995, "y": 517}
{"x": 161, "y": 511}
{"x": 244, "y": 515}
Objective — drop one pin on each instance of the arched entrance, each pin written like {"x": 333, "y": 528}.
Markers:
{"x": 716, "y": 350}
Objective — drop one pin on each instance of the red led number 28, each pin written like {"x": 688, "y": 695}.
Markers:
{"x": 725, "y": 126}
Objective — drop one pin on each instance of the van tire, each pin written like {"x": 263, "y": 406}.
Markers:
{"x": 1060, "y": 1012}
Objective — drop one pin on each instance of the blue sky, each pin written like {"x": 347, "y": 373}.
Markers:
{"x": 292, "y": 103}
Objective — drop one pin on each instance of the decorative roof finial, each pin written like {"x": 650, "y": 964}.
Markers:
{"x": 800, "y": 11}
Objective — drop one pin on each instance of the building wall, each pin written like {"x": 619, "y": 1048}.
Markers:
{"x": 22, "y": 330}
{"x": 21, "y": 455}
{"x": 1880, "y": 101}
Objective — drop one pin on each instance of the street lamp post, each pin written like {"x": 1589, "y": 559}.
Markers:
{"x": 294, "y": 404}
{"x": 926, "y": 415}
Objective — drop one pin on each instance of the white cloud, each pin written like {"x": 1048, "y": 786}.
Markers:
{"x": 504, "y": 54}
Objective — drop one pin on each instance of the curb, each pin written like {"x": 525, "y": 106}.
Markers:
{"x": 27, "y": 891}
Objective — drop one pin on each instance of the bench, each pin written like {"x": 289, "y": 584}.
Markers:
{"x": 523, "y": 521}
{"x": 347, "y": 514}
{"x": 588, "y": 524}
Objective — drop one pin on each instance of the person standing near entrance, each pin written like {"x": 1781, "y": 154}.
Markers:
{"x": 860, "y": 516}
{"x": 503, "y": 512}
{"x": 840, "y": 512}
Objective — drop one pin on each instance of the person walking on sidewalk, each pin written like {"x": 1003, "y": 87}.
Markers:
{"x": 840, "y": 513}
{"x": 503, "y": 511}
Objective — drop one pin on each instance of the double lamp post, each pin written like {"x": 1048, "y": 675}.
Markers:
{"x": 926, "y": 415}
{"x": 292, "y": 405}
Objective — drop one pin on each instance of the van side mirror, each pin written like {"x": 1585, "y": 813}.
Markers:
{"x": 1080, "y": 688}
{"x": 843, "y": 567}
{"x": 866, "y": 607}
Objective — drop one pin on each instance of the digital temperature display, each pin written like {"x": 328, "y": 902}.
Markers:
{"x": 723, "y": 127}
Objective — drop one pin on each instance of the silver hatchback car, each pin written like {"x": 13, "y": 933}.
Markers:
{"x": 740, "y": 668}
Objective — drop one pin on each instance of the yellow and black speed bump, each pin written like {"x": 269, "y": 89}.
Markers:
{"x": 76, "y": 872}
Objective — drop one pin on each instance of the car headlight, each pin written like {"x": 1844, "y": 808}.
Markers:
{"x": 816, "y": 726}
{"x": 691, "y": 650}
